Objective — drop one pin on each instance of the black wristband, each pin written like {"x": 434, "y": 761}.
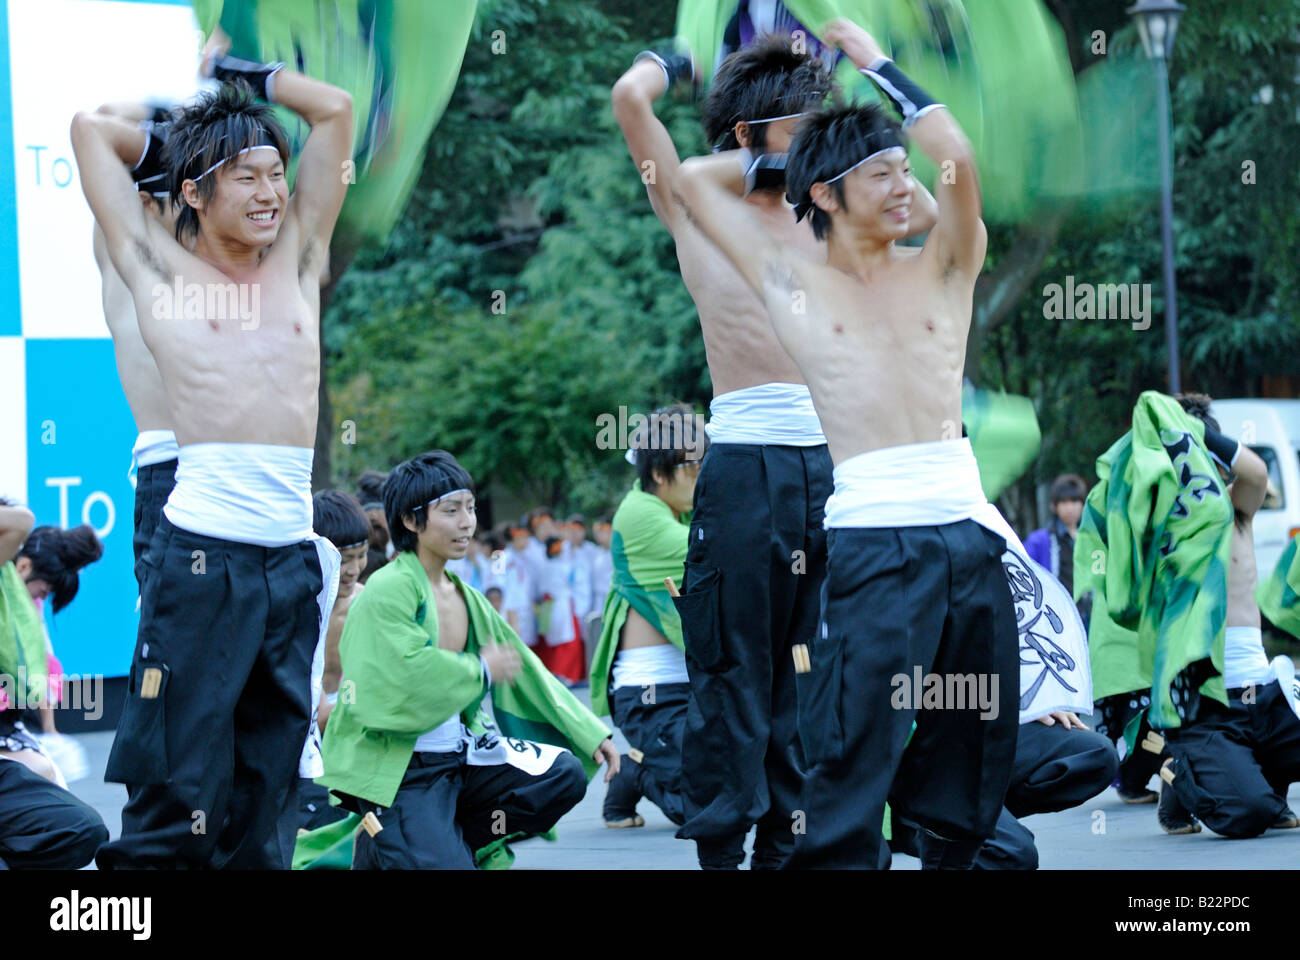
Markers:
{"x": 908, "y": 99}
{"x": 674, "y": 65}
{"x": 767, "y": 172}
{"x": 162, "y": 113}
{"x": 149, "y": 174}
{"x": 1223, "y": 449}
{"x": 256, "y": 75}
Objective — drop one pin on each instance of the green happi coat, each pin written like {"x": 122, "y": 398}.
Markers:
{"x": 1154, "y": 546}
{"x": 648, "y": 545}
{"x": 398, "y": 684}
{"x": 22, "y": 641}
{"x": 1279, "y": 596}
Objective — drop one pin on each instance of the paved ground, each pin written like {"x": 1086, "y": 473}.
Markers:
{"x": 1102, "y": 834}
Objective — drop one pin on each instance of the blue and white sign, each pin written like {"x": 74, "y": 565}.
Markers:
{"x": 65, "y": 429}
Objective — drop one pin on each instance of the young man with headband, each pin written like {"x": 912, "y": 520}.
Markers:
{"x": 236, "y": 586}
{"x": 757, "y": 550}
{"x": 413, "y": 751}
{"x": 638, "y": 670}
{"x": 914, "y": 579}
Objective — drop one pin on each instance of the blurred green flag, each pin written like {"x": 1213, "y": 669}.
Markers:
{"x": 399, "y": 59}
{"x": 1001, "y": 68}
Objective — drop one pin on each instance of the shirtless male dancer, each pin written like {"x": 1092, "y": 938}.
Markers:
{"x": 914, "y": 579}
{"x": 220, "y": 701}
{"x": 757, "y": 553}
{"x": 155, "y": 452}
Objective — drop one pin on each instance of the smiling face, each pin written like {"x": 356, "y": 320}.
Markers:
{"x": 877, "y": 196}
{"x": 250, "y": 199}
{"x": 449, "y": 525}
{"x": 354, "y": 564}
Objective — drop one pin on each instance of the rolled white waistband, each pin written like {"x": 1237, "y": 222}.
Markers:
{"x": 780, "y": 414}
{"x": 255, "y": 493}
{"x": 915, "y": 485}
{"x": 154, "y": 446}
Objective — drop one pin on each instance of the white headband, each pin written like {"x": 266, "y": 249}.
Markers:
{"x": 450, "y": 493}
{"x": 788, "y": 116}
{"x": 260, "y": 146}
{"x": 861, "y": 162}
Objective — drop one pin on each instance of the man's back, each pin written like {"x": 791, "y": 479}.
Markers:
{"x": 141, "y": 382}
{"x": 740, "y": 345}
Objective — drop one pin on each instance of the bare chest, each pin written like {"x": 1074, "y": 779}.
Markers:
{"x": 453, "y": 621}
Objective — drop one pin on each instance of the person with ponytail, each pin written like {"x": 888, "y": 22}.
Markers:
{"x": 41, "y": 823}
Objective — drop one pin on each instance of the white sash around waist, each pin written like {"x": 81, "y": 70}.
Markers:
{"x": 780, "y": 414}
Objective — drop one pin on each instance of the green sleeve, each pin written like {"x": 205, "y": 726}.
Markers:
{"x": 402, "y": 682}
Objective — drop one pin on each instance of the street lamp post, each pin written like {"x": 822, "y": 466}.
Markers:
{"x": 1157, "y": 23}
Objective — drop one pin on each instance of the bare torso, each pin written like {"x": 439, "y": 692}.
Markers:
{"x": 1243, "y": 611}
{"x": 453, "y": 617}
{"x": 248, "y": 371}
{"x": 637, "y": 632}
{"x": 740, "y": 345}
{"x": 141, "y": 382}
{"x": 883, "y": 355}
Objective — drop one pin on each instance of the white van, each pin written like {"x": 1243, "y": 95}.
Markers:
{"x": 1272, "y": 429}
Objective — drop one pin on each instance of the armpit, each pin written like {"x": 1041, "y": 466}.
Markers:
{"x": 149, "y": 259}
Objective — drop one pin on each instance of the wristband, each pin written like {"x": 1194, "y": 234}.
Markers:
{"x": 256, "y": 75}
{"x": 908, "y": 99}
{"x": 675, "y": 66}
{"x": 332, "y": 698}
{"x": 1223, "y": 450}
{"x": 148, "y": 173}
{"x": 767, "y": 172}
{"x": 162, "y": 112}
{"x": 487, "y": 675}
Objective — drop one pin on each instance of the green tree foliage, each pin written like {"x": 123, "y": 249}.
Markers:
{"x": 1237, "y": 242}
{"x": 529, "y": 288}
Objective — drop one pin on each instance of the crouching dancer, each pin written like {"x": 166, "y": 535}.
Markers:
{"x": 914, "y": 571}
{"x": 235, "y": 585}
{"x": 410, "y": 746}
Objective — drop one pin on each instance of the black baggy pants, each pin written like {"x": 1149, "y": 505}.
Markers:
{"x": 897, "y": 600}
{"x": 754, "y": 572}
{"x": 210, "y": 760}
{"x": 652, "y": 719}
{"x": 153, "y": 485}
{"x": 43, "y": 826}
{"x": 1055, "y": 769}
{"x": 446, "y": 809}
{"x": 1236, "y": 763}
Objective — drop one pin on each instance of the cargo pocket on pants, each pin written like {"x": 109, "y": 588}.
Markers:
{"x": 821, "y": 729}
{"x": 139, "y": 754}
{"x": 701, "y": 626}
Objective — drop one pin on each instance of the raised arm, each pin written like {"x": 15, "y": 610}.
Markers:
{"x": 15, "y": 523}
{"x": 709, "y": 190}
{"x": 652, "y": 149}
{"x": 321, "y": 181}
{"x": 106, "y": 147}
{"x": 1251, "y": 486}
{"x": 959, "y": 238}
